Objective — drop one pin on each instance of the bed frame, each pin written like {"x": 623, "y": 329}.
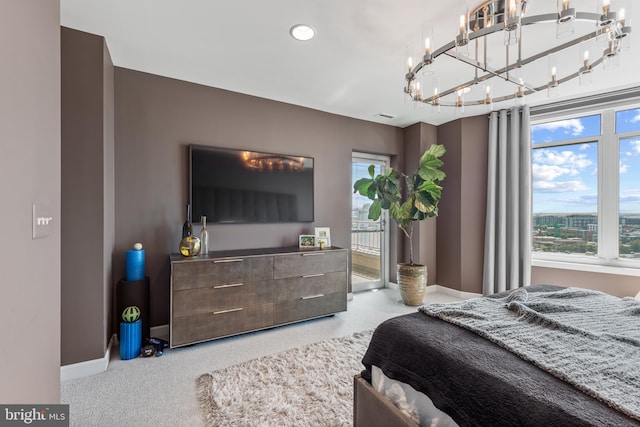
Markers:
{"x": 372, "y": 409}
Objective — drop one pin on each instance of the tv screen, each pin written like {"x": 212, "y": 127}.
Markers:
{"x": 235, "y": 186}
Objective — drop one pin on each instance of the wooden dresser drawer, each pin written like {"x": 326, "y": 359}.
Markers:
{"x": 295, "y": 288}
{"x": 221, "y": 297}
{"x": 202, "y": 327}
{"x": 200, "y": 274}
{"x": 309, "y": 307}
{"x": 306, "y": 263}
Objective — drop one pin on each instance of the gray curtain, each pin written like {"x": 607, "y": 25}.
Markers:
{"x": 507, "y": 248}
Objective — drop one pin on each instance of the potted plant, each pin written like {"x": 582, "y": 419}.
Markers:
{"x": 407, "y": 198}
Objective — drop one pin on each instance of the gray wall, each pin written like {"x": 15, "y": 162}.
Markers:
{"x": 29, "y": 173}
{"x": 156, "y": 118}
{"x": 460, "y": 238}
{"x": 417, "y": 139}
{"x": 88, "y": 213}
{"x": 613, "y": 284}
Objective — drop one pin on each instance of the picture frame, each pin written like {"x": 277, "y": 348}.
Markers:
{"x": 306, "y": 241}
{"x": 323, "y": 237}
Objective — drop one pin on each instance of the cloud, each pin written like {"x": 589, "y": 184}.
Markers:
{"x": 559, "y": 187}
{"x": 573, "y": 126}
{"x": 635, "y": 118}
{"x": 562, "y": 158}
{"x": 629, "y": 198}
{"x": 588, "y": 200}
{"x": 549, "y": 172}
{"x": 635, "y": 146}
{"x": 623, "y": 167}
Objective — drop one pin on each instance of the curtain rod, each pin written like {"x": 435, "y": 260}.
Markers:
{"x": 587, "y": 101}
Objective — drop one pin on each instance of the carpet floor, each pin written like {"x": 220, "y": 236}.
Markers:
{"x": 305, "y": 386}
{"x": 160, "y": 391}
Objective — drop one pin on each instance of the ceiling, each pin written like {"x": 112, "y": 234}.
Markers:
{"x": 354, "y": 67}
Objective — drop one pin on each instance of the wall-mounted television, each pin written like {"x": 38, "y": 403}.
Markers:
{"x": 243, "y": 186}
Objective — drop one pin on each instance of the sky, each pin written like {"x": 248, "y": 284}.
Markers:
{"x": 565, "y": 178}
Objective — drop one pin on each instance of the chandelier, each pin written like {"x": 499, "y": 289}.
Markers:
{"x": 500, "y": 47}
{"x": 271, "y": 162}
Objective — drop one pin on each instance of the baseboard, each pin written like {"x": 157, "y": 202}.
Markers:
{"x": 444, "y": 290}
{"x": 89, "y": 367}
{"x": 453, "y": 292}
{"x": 97, "y": 366}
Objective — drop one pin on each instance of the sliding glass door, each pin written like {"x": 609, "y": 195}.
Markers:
{"x": 369, "y": 239}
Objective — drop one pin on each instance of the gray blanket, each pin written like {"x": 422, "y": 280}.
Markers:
{"x": 586, "y": 338}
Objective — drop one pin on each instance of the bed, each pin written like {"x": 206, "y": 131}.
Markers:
{"x": 478, "y": 382}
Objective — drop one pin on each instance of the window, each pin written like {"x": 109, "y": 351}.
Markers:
{"x": 628, "y": 129}
{"x": 586, "y": 188}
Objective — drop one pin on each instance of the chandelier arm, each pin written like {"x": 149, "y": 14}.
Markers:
{"x": 485, "y": 77}
{"x": 537, "y": 19}
{"x": 505, "y": 70}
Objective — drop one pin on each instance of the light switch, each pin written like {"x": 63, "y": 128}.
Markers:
{"x": 42, "y": 221}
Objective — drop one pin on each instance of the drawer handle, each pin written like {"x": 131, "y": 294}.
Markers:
{"x": 313, "y": 254}
{"x": 312, "y": 275}
{"x": 312, "y": 296}
{"x": 218, "y": 261}
{"x": 227, "y": 311}
{"x": 232, "y": 285}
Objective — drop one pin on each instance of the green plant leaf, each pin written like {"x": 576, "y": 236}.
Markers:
{"x": 435, "y": 150}
{"x": 362, "y": 186}
{"x": 431, "y": 174}
{"x": 432, "y": 188}
{"x": 425, "y": 204}
{"x": 372, "y": 170}
{"x": 375, "y": 210}
{"x": 430, "y": 162}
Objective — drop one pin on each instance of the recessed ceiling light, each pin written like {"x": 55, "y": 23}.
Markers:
{"x": 302, "y": 32}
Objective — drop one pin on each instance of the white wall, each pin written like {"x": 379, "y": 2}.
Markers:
{"x": 29, "y": 173}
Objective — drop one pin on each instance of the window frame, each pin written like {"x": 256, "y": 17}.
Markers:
{"x": 608, "y": 187}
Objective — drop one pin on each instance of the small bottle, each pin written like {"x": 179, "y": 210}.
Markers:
{"x": 204, "y": 236}
{"x": 187, "y": 227}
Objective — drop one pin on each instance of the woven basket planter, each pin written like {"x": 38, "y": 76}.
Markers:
{"x": 412, "y": 280}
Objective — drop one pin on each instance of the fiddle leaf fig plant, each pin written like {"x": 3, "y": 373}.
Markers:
{"x": 407, "y": 198}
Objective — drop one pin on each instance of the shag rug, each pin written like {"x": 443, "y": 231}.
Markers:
{"x": 305, "y": 386}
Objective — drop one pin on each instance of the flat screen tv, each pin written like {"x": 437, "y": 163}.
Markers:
{"x": 241, "y": 186}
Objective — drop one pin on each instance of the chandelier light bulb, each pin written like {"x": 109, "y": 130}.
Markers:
{"x": 460, "y": 101}
{"x": 621, "y": 17}
{"x": 488, "y": 101}
{"x": 512, "y": 8}
{"x": 608, "y": 17}
{"x": 410, "y": 64}
{"x": 552, "y": 89}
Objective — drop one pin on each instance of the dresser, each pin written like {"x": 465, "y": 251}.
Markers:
{"x": 232, "y": 292}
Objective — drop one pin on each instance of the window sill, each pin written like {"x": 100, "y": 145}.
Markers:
{"x": 593, "y": 267}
